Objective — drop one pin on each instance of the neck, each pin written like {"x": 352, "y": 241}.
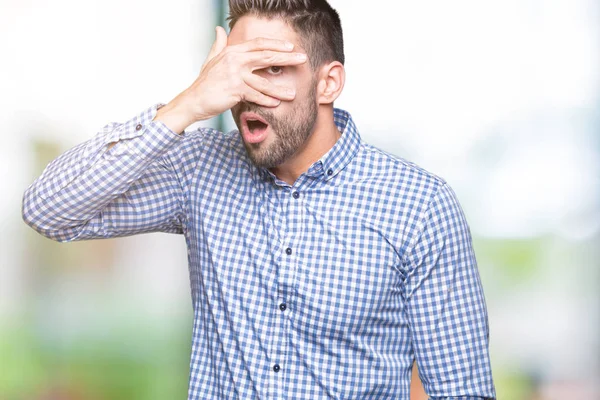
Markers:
{"x": 323, "y": 138}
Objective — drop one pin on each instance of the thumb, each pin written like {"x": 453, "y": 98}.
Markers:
{"x": 221, "y": 41}
{"x": 218, "y": 45}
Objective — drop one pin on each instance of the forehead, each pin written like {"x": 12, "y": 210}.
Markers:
{"x": 251, "y": 27}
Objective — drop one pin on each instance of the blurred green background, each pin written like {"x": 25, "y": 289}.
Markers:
{"x": 501, "y": 98}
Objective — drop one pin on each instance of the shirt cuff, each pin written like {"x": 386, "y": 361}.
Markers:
{"x": 152, "y": 138}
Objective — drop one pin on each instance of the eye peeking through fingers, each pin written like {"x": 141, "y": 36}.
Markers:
{"x": 274, "y": 70}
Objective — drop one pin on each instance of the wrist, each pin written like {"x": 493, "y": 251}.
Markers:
{"x": 173, "y": 117}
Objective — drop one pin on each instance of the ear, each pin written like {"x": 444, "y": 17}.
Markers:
{"x": 332, "y": 78}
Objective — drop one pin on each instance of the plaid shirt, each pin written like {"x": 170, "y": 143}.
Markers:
{"x": 329, "y": 288}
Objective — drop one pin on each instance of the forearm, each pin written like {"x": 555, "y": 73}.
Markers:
{"x": 79, "y": 184}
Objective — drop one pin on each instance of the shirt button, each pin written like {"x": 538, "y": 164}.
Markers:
{"x": 138, "y": 127}
{"x": 330, "y": 172}
{"x": 296, "y": 195}
{"x": 282, "y": 306}
{"x": 288, "y": 251}
{"x": 276, "y": 368}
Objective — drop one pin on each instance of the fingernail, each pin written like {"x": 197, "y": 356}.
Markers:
{"x": 289, "y": 45}
{"x": 291, "y": 92}
{"x": 301, "y": 56}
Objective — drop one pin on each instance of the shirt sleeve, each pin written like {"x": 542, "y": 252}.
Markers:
{"x": 93, "y": 192}
{"x": 446, "y": 306}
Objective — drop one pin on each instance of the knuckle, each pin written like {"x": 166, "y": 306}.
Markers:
{"x": 233, "y": 59}
{"x": 228, "y": 57}
{"x": 261, "y": 42}
{"x": 269, "y": 57}
{"x": 231, "y": 69}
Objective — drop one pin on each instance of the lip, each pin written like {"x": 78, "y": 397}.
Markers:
{"x": 250, "y": 137}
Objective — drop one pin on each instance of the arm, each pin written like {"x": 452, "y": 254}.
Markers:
{"x": 446, "y": 305}
{"x": 122, "y": 182}
{"x": 95, "y": 192}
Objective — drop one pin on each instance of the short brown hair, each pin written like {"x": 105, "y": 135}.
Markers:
{"x": 317, "y": 24}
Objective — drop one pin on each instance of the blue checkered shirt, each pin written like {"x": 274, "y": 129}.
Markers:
{"x": 329, "y": 288}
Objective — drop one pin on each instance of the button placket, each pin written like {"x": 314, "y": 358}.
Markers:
{"x": 286, "y": 266}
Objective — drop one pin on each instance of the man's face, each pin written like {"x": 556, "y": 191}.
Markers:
{"x": 273, "y": 135}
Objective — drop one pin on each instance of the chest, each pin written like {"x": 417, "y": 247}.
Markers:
{"x": 321, "y": 251}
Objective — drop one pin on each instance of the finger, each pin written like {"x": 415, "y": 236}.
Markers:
{"x": 263, "y": 44}
{"x": 268, "y": 58}
{"x": 221, "y": 39}
{"x": 254, "y": 96}
{"x": 218, "y": 45}
{"x": 268, "y": 88}
{"x": 213, "y": 50}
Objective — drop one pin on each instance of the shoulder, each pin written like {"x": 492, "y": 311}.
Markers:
{"x": 414, "y": 197}
{"x": 425, "y": 193}
{"x": 397, "y": 174}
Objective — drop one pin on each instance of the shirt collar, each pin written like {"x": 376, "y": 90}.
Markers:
{"x": 342, "y": 152}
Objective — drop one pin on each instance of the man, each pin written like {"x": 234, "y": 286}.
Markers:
{"x": 320, "y": 266}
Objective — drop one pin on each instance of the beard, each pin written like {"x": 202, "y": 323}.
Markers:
{"x": 289, "y": 131}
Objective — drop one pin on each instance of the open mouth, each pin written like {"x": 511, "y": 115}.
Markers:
{"x": 254, "y": 127}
